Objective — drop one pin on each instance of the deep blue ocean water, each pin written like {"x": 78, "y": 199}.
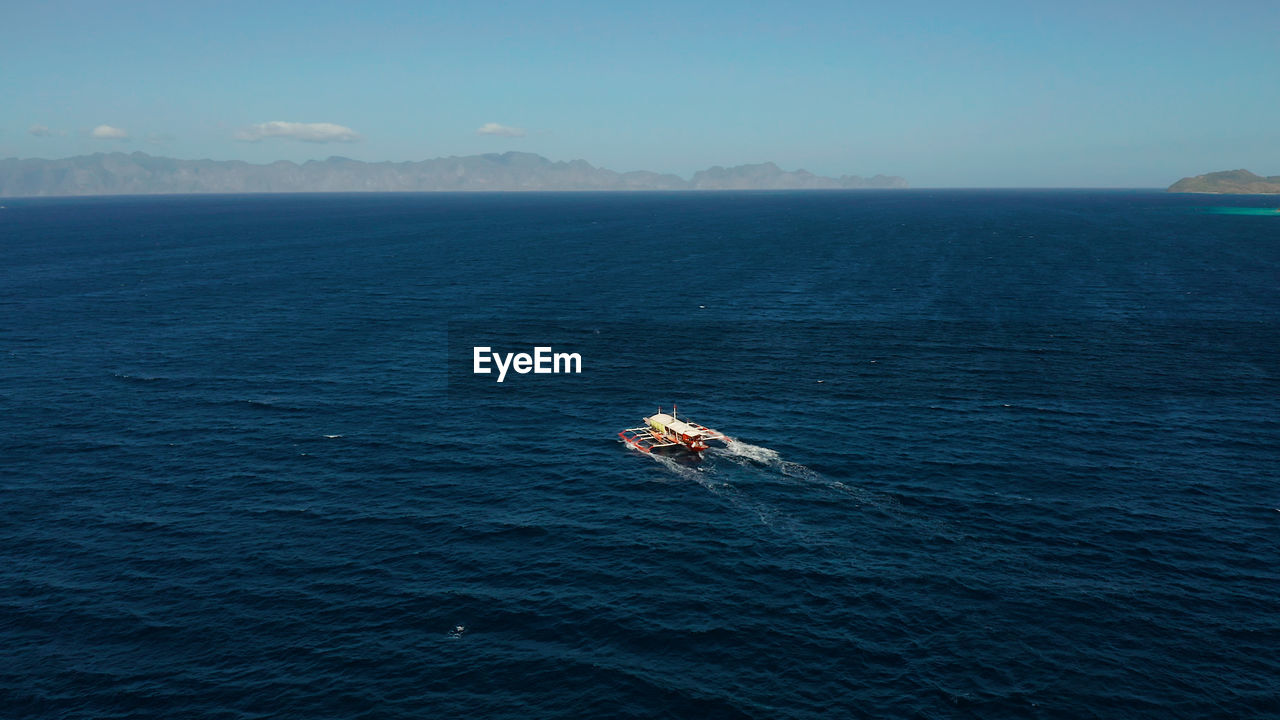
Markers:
{"x": 999, "y": 455}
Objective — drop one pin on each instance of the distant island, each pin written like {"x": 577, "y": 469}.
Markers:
{"x": 1228, "y": 181}
{"x": 142, "y": 174}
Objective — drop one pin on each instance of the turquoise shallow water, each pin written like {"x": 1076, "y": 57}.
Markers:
{"x": 249, "y": 473}
{"x": 1268, "y": 211}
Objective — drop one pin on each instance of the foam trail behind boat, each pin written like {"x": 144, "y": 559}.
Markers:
{"x": 767, "y": 460}
{"x": 747, "y": 451}
{"x": 719, "y": 485}
{"x": 743, "y": 453}
{"x": 736, "y": 451}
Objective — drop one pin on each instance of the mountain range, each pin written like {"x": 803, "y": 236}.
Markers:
{"x": 1228, "y": 181}
{"x": 141, "y": 174}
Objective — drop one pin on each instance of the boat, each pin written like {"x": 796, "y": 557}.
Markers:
{"x": 662, "y": 430}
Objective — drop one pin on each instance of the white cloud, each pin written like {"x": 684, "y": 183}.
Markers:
{"x": 307, "y": 132}
{"x": 500, "y": 130}
{"x": 106, "y": 132}
{"x": 160, "y": 138}
{"x": 39, "y": 130}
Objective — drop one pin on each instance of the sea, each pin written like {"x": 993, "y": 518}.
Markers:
{"x": 995, "y": 454}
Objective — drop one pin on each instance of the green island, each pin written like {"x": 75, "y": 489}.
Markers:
{"x": 1239, "y": 182}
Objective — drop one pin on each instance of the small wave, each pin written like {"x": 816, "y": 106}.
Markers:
{"x": 266, "y": 404}
{"x": 127, "y": 377}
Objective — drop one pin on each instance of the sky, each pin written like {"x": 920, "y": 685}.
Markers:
{"x": 1118, "y": 93}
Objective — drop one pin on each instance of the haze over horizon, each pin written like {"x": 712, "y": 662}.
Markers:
{"x": 989, "y": 94}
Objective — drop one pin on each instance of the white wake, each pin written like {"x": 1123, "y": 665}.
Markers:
{"x": 757, "y": 463}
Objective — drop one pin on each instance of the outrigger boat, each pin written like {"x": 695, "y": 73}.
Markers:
{"x": 666, "y": 431}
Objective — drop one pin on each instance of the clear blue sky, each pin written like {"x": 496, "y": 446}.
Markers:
{"x": 978, "y": 93}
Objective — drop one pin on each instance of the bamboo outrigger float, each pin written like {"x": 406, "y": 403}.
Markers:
{"x": 666, "y": 431}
